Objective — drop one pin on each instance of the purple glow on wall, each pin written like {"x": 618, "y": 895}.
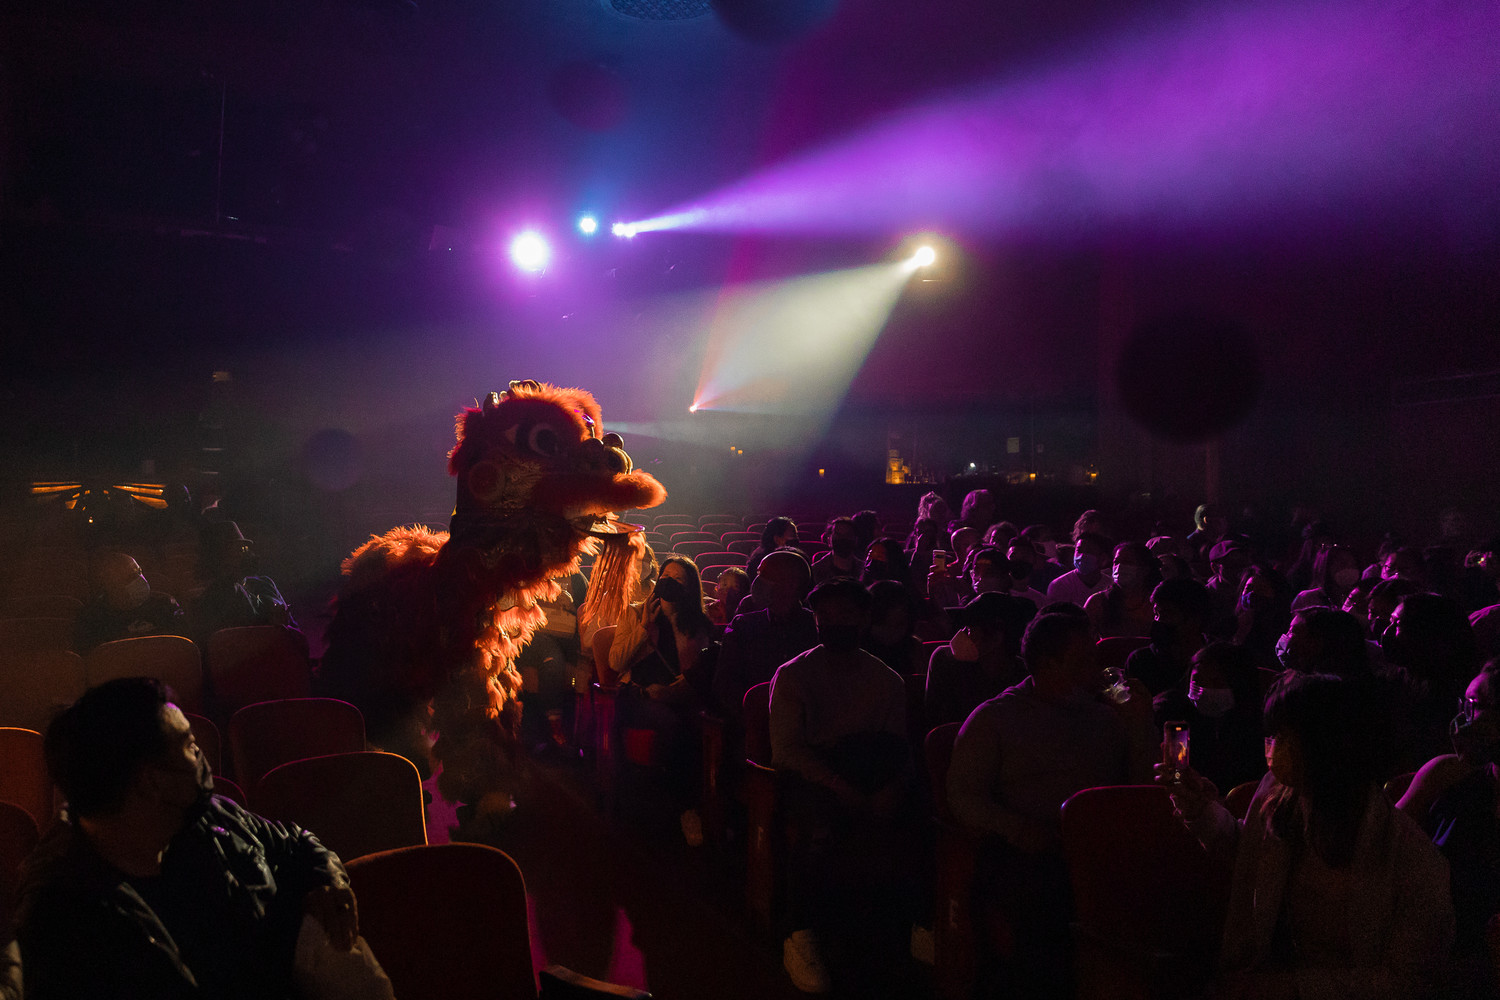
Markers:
{"x": 1236, "y": 115}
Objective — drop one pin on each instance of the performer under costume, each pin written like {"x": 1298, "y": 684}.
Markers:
{"x": 427, "y": 625}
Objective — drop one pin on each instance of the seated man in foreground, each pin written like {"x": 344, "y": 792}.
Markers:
{"x": 838, "y": 729}
{"x": 1017, "y": 759}
{"x": 152, "y": 887}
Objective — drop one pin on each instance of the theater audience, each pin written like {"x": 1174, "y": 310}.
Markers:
{"x": 978, "y": 512}
{"x": 1182, "y": 610}
{"x": 1334, "y": 572}
{"x": 893, "y": 617}
{"x": 1455, "y": 797}
{"x": 843, "y": 555}
{"x": 1124, "y": 606}
{"x": 124, "y": 606}
{"x": 234, "y": 595}
{"x": 1220, "y": 700}
{"x": 732, "y": 587}
{"x": 663, "y": 654}
{"x": 152, "y": 887}
{"x": 1018, "y": 757}
{"x": 1262, "y": 615}
{"x": 1429, "y": 644}
{"x": 884, "y": 560}
{"x": 982, "y": 659}
{"x": 756, "y": 643}
{"x": 838, "y": 738}
{"x": 1088, "y": 575}
{"x": 779, "y": 533}
{"x": 1335, "y": 893}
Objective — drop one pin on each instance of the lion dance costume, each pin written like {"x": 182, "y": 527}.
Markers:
{"x": 427, "y": 625}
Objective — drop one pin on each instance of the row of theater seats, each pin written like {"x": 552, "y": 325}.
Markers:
{"x": 237, "y": 667}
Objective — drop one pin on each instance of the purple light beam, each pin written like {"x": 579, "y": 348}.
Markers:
{"x": 1234, "y": 115}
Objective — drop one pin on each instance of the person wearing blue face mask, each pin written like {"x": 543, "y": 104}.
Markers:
{"x": 1087, "y": 577}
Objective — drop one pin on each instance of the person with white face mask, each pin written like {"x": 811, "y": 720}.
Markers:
{"x": 1335, "y": 571}
{"x": 1090, "y": 574}
{"x": 124, "y": 606}
{"x": 1220, "y": 701}
{"x": 981, "y": 660}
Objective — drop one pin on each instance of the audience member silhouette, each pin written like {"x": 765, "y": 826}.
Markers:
{"x": 124, "y": 606}
{"x": 152, "y": 887}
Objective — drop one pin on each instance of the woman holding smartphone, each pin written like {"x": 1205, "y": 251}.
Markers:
{"x": 1335, "y": 893}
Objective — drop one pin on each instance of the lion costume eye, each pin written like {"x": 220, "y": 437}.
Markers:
{"x": 539, "y": 439}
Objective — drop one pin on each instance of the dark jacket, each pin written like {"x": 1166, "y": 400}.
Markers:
{"x": 222, "y": 920}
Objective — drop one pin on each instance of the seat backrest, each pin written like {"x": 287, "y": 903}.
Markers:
{"x": 695, "y": 549}
{"x": 270, "y": 733}
{"x": 1114, "y": 650}
{"x": 678, "y": 537}
{"x": 448, "y": 921}
{"x": 357, "y": 803}
{"x": 256, "y": 663}
{"x": 171, "y": 659}
{"x": 18, "y": 838}
{"x": 23, "y": 774}
{"x": 1239, "y": 798}
{"x": 37, "y": 684}
{"x": 745, "y": 546}
{"x": 1139, "y": 877}
{"x": 42, "y": 606}
{"x": 231, "y": 790}
{"x": 36, "y": 633}
{"x": 738, "y": 536}
{"x": 937, "y": 749}
{"x": 757, "y": 719}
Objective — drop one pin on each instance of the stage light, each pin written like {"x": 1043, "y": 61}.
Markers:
{"x": 530, "y": 252}
{"x": 924, "y": 256}
{"x": 621, "y": 229}
{"x": 588, "y": 225}
{"x": 693, "y": 408}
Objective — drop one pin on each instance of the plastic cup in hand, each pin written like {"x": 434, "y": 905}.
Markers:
{"x": 1115, "y": 687}
{"x": 1175, "y": 747}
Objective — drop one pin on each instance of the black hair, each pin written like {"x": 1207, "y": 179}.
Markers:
{"x": 95, "y": 747}
{"x": 1345, "y": 754}
{"x": 1339, "y": 639}
{"x": 774, "y": 529}
{"x": 841, "y": 588}
{"x": 1188, "y": 596}
{"x": 690, "y": 611}
{"x": 1048, "y": 636}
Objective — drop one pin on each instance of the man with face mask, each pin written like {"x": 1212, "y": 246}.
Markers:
{"x": 1091, "y": 554}
{"x": 124, "y": 607}
{"x": 152, "y": 887}
{"x": 838, "y": 734}
{"x": 842, "y": 557}
{"x": 982, "y": 659}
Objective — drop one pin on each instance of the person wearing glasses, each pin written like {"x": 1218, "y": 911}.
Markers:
{"x": 1456, "y": 799}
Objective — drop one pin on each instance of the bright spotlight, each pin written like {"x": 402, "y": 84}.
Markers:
{"x": 693, "y": 408}
{"x": 530, "y": 252}
{"x": 588, "y": 225}
{"x": 924, "y": 256}
{"x": 623, "y": 229}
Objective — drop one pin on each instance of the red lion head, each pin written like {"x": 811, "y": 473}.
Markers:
{"x": 538, "y": 451}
